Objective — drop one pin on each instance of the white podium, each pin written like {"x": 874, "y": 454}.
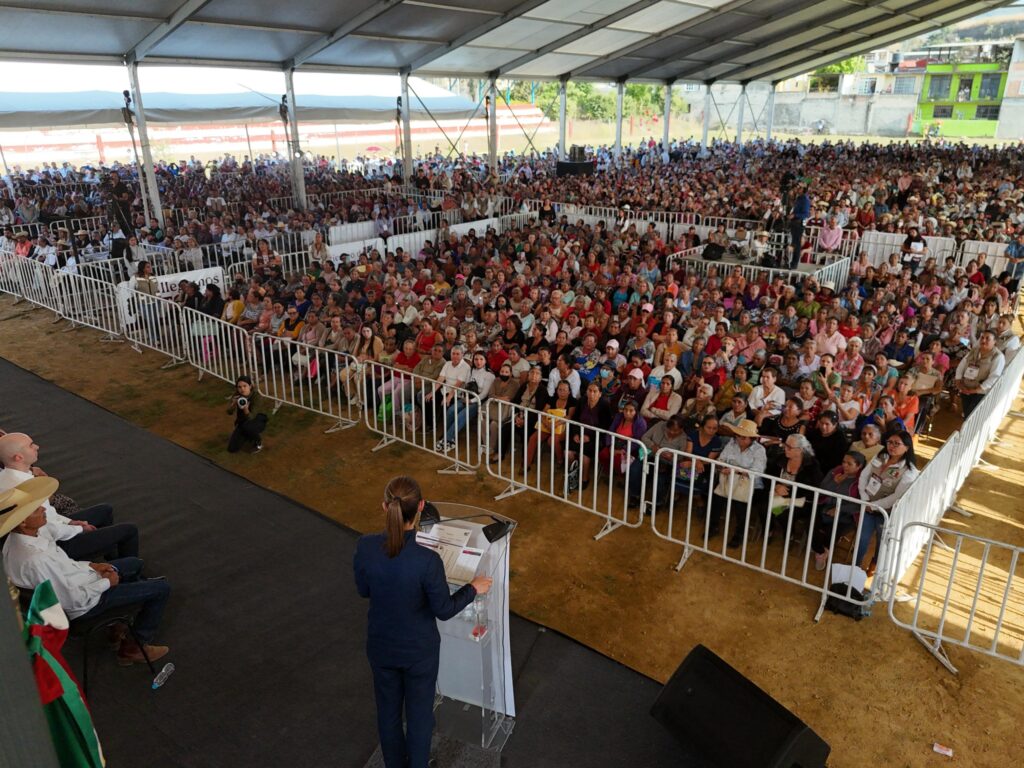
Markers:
{"x": 475, "y": 702}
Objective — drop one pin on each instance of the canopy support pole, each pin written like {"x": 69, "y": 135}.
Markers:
{"x": 619, "y": 94}
{"x": 563, "y": 151}
{"x": 740, "y": 116}
{"x": 407, "y": 131}
{"x": 147, "y": 177}
{"x": 707, "y": 119}
{"x": 294, "y": 150}
{"x": 667, "y": 118}
{"x": 771, "y": 113}
{"x": 492, "y": 126}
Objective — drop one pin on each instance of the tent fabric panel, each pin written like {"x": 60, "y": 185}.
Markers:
{"x": 578, "y": 11}
{"x": 371, "y": 53}
{"x": 61, "y": 34}
{"x": 315, "y": 15}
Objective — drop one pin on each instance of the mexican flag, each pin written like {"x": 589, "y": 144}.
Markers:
{"x": 46, "y": 629}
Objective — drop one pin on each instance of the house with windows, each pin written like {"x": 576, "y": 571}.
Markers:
{"x": 963, "y": 98}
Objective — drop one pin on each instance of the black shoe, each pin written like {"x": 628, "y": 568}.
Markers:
{"x": 712, "y": 531}
{"x": 735, "y": 542}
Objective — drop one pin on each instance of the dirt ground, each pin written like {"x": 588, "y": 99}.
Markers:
{"x": 868, "y": 688}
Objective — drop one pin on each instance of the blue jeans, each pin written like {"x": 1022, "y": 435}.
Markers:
{"x": 871, "y": 524}
{"x": 152, "y": 595}
{"x": 410, "y": 686}
{"x": 457, "y": 415}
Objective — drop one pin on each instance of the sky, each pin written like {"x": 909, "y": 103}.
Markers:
{"x": 32, "y": 77}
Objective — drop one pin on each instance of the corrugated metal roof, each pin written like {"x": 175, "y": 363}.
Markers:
{"x": 651, "y": 40}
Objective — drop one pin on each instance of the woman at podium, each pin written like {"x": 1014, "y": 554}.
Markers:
{"x": 408, "y": 593}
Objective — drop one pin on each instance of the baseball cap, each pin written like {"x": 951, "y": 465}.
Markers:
{"x": 648, "y": 307}
{"x": 636, "y": 373}
{"x": 613, "y": 343}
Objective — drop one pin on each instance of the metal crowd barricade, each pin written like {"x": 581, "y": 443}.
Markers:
{"x": 549, "y": 454}
{"x": 168, "y": 261}
{"x": 216, "y": 347}
{"x": 359, "y": 230}
{"x": 111, "y": 271}
{"x": 155, "y": 323}
{"x": 837, "y": 273}
{"x": 305, "y": 376}
{"x": 411, "y": 409}
{"x": 9, "y": 272}
{"x": 935, "y": 490}
{"x": 995, "y": 254}
{"x": 967, "y": 592}
{"x": 880, "y": 245}
{"x": 694, "y": 263}
{"x": 87, "y": 302}
{"x": 36, "y": 283}
{"x": 695, "y": 502}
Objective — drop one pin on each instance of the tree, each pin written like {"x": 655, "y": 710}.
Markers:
{"x": 847, "y": 67}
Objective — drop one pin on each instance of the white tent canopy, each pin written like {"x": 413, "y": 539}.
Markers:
{"x": 73, "y": 95}
{"x": 653, "y": 40}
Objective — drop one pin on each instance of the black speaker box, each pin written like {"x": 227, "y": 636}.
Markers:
{"x": 571, "y": 168}
{"x": 718, "y": 713}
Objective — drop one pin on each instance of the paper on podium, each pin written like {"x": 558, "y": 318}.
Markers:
{"x": 460, "y": 561}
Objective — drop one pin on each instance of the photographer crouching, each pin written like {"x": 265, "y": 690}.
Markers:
{"x": 250, "y": 420}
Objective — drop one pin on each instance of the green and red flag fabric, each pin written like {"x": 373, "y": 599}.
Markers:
{"x": 46, "y": 629}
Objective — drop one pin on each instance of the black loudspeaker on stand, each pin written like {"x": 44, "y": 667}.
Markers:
{"x": 715, "y": 711}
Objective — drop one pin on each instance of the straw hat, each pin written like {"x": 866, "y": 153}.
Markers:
{"x": 21, "y": 501}
{"x": 746, "y": 428}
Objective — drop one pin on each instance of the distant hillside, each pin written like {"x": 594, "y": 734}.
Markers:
{"x": 1002, "y": 24}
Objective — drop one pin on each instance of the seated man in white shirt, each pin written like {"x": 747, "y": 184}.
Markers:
{"x": 91, "y": 533}
{"x": 31, "y": 556}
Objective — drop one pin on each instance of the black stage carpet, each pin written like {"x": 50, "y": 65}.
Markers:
{"x": 266, "y": 629}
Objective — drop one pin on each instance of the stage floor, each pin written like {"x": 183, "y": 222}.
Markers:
{"x": 265, "y": 627}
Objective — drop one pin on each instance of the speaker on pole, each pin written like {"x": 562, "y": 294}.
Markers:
{"x": 715, "y": 711}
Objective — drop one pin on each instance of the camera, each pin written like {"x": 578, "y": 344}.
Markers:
{"x": 242, "y": 402}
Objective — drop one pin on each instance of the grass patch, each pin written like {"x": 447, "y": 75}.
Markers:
{"x": 146, "y": 413}
{"x": 207, "y": 395}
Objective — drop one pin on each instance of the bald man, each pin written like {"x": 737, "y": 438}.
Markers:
{"x": 88, "y": 534}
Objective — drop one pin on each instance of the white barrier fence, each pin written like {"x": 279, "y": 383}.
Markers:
{"x": 215, "y": 347}
{"x": 407, "y": 408}
{"x": 967, "y": 592}
{"x": 932, "y": 494}
{"x": 585, "y": 467}
{"x": 35, "y": 283}
{"x": 154, "y": 323}
{"x": 111, "y": 271}
{"x": 357, "y": 230}
{"x": 835, "y": 272}
{"x": 307, "y": 377}
{"x": 776, "y": 525}
{"x": 353, "y": 250}
{"x": 84, "y": 301}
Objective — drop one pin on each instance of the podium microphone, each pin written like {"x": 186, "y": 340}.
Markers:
{"x": 497, "y": 530}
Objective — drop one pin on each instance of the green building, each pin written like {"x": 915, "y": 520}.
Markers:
{"x": 962, "y": 99}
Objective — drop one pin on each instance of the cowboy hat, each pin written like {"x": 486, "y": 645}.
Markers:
{"x": 746, "y": 428}
{"x": 21, "y": 501}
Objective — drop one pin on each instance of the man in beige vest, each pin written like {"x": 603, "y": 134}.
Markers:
{"x": 978, "y": 372}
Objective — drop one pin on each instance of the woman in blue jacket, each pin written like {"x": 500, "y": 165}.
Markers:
{"x": 408, "y": 593}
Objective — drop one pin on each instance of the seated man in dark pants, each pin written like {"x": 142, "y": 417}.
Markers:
{"x": 31, "y": 557}
{"x": 84, "y": 535}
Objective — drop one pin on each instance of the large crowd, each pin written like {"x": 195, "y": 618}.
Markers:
{"x": 816, "y": 384}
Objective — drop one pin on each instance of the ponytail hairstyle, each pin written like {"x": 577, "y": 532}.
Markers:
{"x": 402, "y": 499}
